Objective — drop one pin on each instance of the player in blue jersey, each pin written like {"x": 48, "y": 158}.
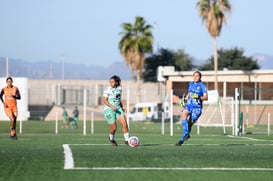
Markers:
{"x": 114, "y": 109}
{"x": 197, "y": 93}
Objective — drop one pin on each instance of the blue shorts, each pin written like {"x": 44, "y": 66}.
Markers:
{"x": 195, "y": 112}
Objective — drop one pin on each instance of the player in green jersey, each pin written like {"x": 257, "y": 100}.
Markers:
{"x": 114, "y": 109}
{"x": 65, "y": 118}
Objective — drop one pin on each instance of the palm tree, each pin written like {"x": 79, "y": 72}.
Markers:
{"x": 212, "y": 13}
{"x": 136, "y": 41}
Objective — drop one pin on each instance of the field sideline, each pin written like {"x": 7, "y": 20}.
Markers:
{"x": 40, "y": 154}
{"x": 69, "y": 162}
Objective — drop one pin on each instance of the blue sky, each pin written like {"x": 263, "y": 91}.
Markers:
{"x": 87, "y": 31}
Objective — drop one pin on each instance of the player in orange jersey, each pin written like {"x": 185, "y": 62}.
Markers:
{"x": 11, "y": 94}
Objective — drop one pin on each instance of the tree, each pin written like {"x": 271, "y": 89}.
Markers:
{"x": 232, "y": 59}
{"x": 163, "y": 58}
{"x": 136, "y": 41}
{"x": 183, "y": 61}
{"x": 213, "y": 13}
{"x": 179, "y": 59}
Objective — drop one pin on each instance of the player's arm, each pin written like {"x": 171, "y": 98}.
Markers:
{"x": 186, "y": 96}
{"x": 1, "y": 95}
{"x": 182, "y": 101}
{"x": 204, "y": 97}
{"x": 123, "y": 105}
{"x": 17, "y": 95}
{"x": 106, "y": 102}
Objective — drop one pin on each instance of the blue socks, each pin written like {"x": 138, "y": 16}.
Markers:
{"x": 185, "y": 127}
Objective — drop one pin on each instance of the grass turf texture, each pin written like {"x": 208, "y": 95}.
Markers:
{"x": 38, "y": 154}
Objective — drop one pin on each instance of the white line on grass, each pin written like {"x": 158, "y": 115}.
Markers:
{"x": 247, "y": 138}
{"x": 69, "y": 164}
{"x": 68, "y": 157}
{"x": 173, "y": 168}
{"x": 190, "y": 144}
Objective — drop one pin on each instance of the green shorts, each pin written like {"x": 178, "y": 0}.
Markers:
{"x": 111, "y": 116}
{"x": 64, "y": 119}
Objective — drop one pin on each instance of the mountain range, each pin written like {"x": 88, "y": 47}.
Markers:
{"x": 265, "y": 61}
{"x": 71, "y": 71}
{"x": 67, "y": 71}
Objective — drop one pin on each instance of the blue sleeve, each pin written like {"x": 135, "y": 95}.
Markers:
{"x": 204, "y": 88}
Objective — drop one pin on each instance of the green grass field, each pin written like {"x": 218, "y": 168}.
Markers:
{"x": 41, "y": 154}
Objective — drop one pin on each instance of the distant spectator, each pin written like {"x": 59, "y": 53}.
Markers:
{"x": 65, "y": 118}
{"x": 75, "y": 118}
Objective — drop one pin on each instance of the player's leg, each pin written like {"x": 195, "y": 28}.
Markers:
{"x": 13, "y": 127}
{"x": 11, "y": 112}
{"x": 122, "y": 119}
{"x": 186, "y": 134}
{"x": 75, "y": 125}
{"x": 195, "y": 114}
{"x": 110, "y": 117}
{"x": 112, "y": 130}
{"x": 73, "y": 122}
{"x": 76, "y": 122}
{"x": 64, "y": 125}
{"x": 190, "y": 123}
{"x": 70, "y": 122}
{"x": 185, "y": 127}
{"x": 65, "y": 121}
{"x": 15, "y": 115}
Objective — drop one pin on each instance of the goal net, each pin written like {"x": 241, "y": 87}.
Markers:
{"x": 217, "y": 112}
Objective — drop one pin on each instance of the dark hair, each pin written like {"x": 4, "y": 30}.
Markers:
{"x": 117, "y": 80}
{"x": 9, "y": 78}
{"x": 198, "y": 72}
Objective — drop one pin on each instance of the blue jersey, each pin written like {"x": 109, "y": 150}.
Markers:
{"x": 198, "y": 88}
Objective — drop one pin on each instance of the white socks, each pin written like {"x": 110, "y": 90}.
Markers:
{"x": 111, "y": 136}
{"x": 126, "y": 136}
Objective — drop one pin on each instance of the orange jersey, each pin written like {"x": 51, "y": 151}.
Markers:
{"x": 9, "y": 95}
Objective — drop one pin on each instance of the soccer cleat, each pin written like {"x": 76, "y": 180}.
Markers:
{"x": 114, "y": 143}
{"x": 13, "y": 134}
{"x": 126, "y": 143}
{"x": 179, "y": 143}
{"x": 14, "y": 137}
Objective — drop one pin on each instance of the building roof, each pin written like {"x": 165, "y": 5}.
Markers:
{"x": 169, "y": 73}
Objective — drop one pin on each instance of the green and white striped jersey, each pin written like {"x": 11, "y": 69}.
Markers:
{"x": 114, "y": 96}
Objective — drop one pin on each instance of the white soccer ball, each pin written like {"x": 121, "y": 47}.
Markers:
{"x": 133, "y": 141}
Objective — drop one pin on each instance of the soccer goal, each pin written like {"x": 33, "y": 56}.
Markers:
{"x": 255, "y": 107}
{"x": 217, "y": 112}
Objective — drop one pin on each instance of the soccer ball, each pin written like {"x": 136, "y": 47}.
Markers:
{"x": 133, "y": 141}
